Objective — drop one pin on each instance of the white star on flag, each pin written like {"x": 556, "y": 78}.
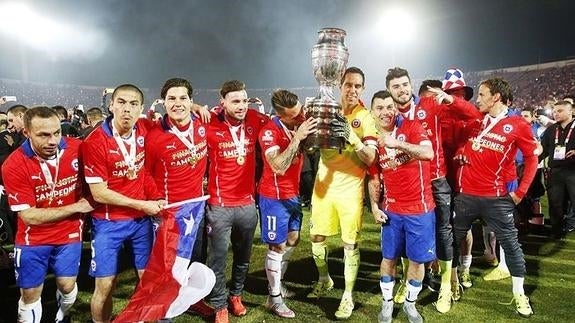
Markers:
{"x": 189, "y": 225}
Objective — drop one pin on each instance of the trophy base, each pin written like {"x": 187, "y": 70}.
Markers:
{"x": 314, "y": 143}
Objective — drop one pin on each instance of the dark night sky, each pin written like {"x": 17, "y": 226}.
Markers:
{"x": 267, "y": 43}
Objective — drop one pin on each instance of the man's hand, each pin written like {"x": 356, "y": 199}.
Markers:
{"x": 570, "y": 154}
{"x": 152, "y": 207}
{"x": 461, "y": 159}
{"x": 440, "y": 96}
{"x": 388, "y": 141}
{"x": 378, "y": 215}
{"x": 306, "y": 128}
{"x": 9, "y": 140}
{"x": 514, "y": 197}
{"x": 341, "y": 128}
{"x": 201, "y": 111}
{"x": 84, "y": 206}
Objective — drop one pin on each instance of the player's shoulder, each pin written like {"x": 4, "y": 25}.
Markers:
{"x": 16, "y": 158}
{"x": 97, "y": 134}
{"x": 72, "y": 143}
{"x": 257, "y": 117}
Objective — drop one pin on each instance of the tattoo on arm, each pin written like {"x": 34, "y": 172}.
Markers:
{"x": 367, "y": 155}
{"x": 419, "y": 152}
{"x": 280, "y": 162}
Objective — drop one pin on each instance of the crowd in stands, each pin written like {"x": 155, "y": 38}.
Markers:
{"x": 534, "y": 86}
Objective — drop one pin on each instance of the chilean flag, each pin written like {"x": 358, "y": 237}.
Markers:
{"x": 170, "y": 284}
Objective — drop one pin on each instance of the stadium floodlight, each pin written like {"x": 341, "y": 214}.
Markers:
{"x": 398, "y": 25}
{"x": 23, "y": 23}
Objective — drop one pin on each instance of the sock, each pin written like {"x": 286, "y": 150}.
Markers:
{"x": 273, "y": 271}
{"x": 386, "y": 285}
{"x": 285, "y": 259}
{"x": 466, "y": 261}
{"x": 517, "y": 285}
{"x": 404, "y": 269}
{"x": 502, "y": 262}
{"x": 319, "y": 252}
{"x": 350, "y": 267}
{"x": 30, "y": 313}
{"x": 413, "y": 289}
{"x": 65, "y": 302}
{"x": 445, "y": 266}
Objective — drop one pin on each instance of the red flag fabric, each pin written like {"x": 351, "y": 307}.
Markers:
{"x": 170, "y": 284}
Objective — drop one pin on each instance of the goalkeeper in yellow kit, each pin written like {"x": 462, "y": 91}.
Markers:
{"x": 337, "y": 201}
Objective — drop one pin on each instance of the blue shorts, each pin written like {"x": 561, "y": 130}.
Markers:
{"x": 414, "y": 234}
{"x": 109, "y": 238}
{"x": 31, "y": 263}
{"x": 278, "y": 218}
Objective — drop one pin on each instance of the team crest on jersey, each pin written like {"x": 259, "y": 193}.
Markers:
{"x": 140, "y": 141}
{"x": 271, "y": 235}
{"x": 421, "y": 114}
{"x": 75, "y": 164}
{"x": 424, "y": 125}
{"x": 250, "y": 130}
{"x": 268, "y": 136}
{"x": 202, "y": 131}
{"x": 401, "y": 137}
{"x": 507, "y": 128}
{"x": 355, "y": 123}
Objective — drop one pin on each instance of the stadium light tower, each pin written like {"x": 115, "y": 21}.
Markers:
{"x": 397, "y": 26}
{"x": 56, "y": 38}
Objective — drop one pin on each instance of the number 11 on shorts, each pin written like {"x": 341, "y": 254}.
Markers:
{"x": 271, "y": 223}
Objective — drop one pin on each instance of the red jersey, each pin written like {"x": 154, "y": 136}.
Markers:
{"x": 492, "y": 163}
{"x": 104, "y": 162}
{"x": 55, "y": 183}
{"x": 177, "y": 171}
{"x": 286, "y": 186}
{"x": 430, "y": 113}
{"x": 231, "y": 180}
{"x": 406, "y": 181}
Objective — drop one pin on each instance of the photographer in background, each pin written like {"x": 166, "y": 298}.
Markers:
{"x": 7, "y": 218}
{"x": 68, "y": 130}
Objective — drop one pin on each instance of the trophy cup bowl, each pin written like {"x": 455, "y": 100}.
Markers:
{"x": 329, "y": 61}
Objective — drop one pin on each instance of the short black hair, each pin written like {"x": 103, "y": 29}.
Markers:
{"x": 128, "y": 86}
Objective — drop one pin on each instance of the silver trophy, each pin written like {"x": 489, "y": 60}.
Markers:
{"x": 329, "y": 59}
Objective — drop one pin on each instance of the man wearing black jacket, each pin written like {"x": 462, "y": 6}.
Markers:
{"x": 558, "y": 143}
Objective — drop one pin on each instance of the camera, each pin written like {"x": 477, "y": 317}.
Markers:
{"x": 78, "y": 116}
{"x": 541, "y": 111}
